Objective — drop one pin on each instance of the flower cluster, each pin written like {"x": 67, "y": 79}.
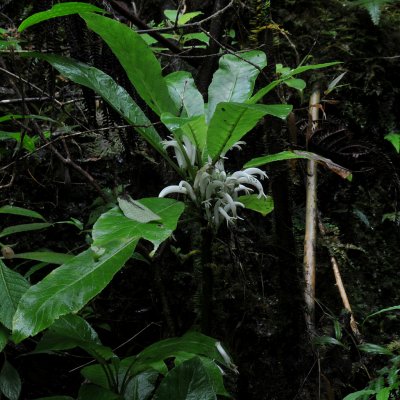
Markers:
{"x": 213, "y": 189}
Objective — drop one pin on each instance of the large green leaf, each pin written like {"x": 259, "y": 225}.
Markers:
{"x": 114, "y": 226}
{"x": 231, "y": 121}
{"x": 11, "y": 230}
{"x": 192, "y": 342}
{"x": 184, "y": 94}
{"x": 68, "y": 288}
{"x": 10, "y": 382}
{"x": 394, "y": 138}
{"x": 141, "y": 387}
{"x": 138, "y": 60}
{"x": 187, "y": 381}
{"x": 72, "y": 331}
{"x": 194, "y": 128}
{"x": 262, "y": 205}
{"x": 58, "y": 10}
{"x": 111, "y": 92}
{"x": 12, "y": 287}
{"x": 45, "y": 256}
{"x": 20, "y": 211}
{"x": 235, "y": 78}
{"x": 283, "y": 155}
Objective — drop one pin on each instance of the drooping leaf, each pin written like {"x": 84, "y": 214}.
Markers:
{"x": 288, "y": 155}
{"x": 12, "y": 287}
{"x": 231, "y": 121}
{"x": 45, "y": 256}
{"x": 187, "y": 381}
{"x": 261, "y": 205}
{"x": 58, "y": 10}
{"x": 112, "y": 93}
{"x": 136, "y": 211}
{"x": 138, "y": 60}
{"x": 374, "y": 349}
{"x": 383, "y": 310}
{"x": 68, "y": 288}
{"x": 20, "y": 211}
{"x": 72, "y": 331}
{"x": 359, "y": 394}
{"x": 394, "y": 138}
{"x": 327, "y": 340}
{"x": 312, "y": 67}
{"x": 184, "y": 93}
{"x": 11, "y": 230}
{"x": 235, "y": 78}
{"x": 10, "y": 382}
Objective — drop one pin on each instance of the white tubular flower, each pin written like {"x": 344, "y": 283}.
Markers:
{"x": 256, "y": 171}
{"x": 228, "y": 218}
{"x": 250, "y": 180}
{"x": 189, "y": 190}
{"x": 172, "y": 189}
{"x": 211, "y": 188}
{"x": 230, "y": 203}
{"x": 244, "y": 188}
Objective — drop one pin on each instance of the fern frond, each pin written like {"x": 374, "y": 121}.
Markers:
{"x": 374, "y": 7}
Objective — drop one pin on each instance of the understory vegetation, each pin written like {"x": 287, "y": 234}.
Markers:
{"x": 199, "y": 200}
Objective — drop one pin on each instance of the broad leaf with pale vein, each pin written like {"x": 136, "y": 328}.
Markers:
{"x": 235, "y": 78}
{"x": 109, "y": 90}
{"x": 12, "y": 287}
{"x": 68, "y": 288}
{"x": 231, "y": 121}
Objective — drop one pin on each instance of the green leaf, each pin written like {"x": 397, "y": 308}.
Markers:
{"x": 200, "y": 36}
{"x": 184, "y": 94}
{"x": 58, "y": 10}
{"x": 262, "y": 92}
{"x": 114, "y": 226}
{"x": 215, "y": 375}
{"x": 284, "y": 155}
{"x": 141, "y": 387}
{"x": 394, "y": 138}
{"x": 383, "y": 394}
{"x": 372, "y": 348}
{"x": 192, "y": 342}
{"x": 261, "y": 205}
{"x": 72, "y": 331}
{"x": 112, "y": 93}
{"x": 68, "y": 288}
{"x": 288, "y": 155}
{"x": 91, "y": 392}
{"x": 234, "y": 80}
{"x": 10, "y": 382}
{"x": 184, "y": 18}
{"x": 327, "y": 340}
{"x": 359, "y": 394}
{"x": 11, "y": 230}
{"x": 194, "y": 128}
{"x": 12, "y": 287}
{"x": 383, "y": 310}
{"x": 298, "y": 84}
{"x": 187, "y": 381}
{"x": 231, "y": 121}
{"x": 4, "y": 334}
{"x": 138, "y": 60}
{"x": 28, "y": 143}
{"x": 20, "y": 211}
{"x": 305, "y": 68}
{"x": 45, "y": 256}
{"x": 10, "y": 117}
{"x": 136, "y": 211}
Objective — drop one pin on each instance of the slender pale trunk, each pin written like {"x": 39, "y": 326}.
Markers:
{"x": 311, "y": 220}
